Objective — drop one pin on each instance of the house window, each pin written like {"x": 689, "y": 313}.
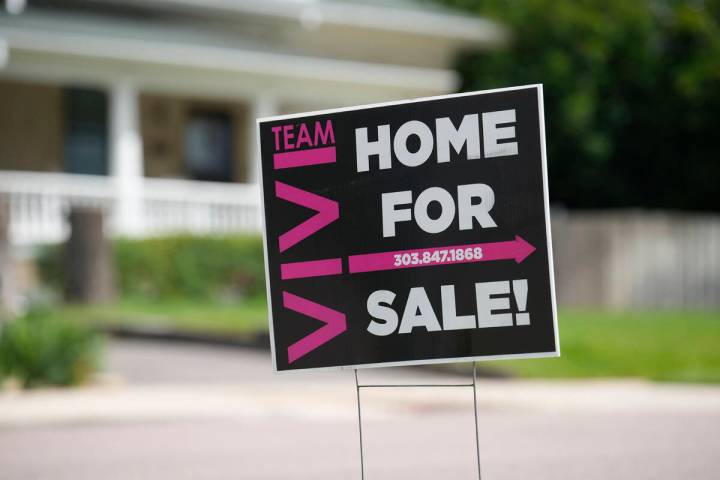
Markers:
{"x": 86, "y": 131}
{"x": 209, "y": 146}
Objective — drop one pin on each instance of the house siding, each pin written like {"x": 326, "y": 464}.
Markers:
{"x": 31, "y": 127}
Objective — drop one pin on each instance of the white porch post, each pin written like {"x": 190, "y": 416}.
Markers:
{"x": 263, "y": 105}
{"x": 126, "y": 159}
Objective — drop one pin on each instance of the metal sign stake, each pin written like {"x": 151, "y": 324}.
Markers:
{"x": 362, "y": 462}
{"x": 446, "y": 385}
{"x": 477, "y": 430}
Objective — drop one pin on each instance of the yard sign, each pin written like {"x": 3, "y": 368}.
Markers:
{"x": 409, "y": 232}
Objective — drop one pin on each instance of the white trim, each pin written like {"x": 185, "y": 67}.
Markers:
{"x": 262, "y": 104}
{"x": 198, "y": 84}
{"x": 126, "y": 155}
{"x": 548, "y": 229}
{"x": 546, "y": 201}
{"x": 439, "y": 22}
{"x": 39, "y": 201}
{"x": 277, "y": 65}
{"x": 429, "y": 361}
{"x": 4, "y": 53}
{"x": 265, "y": 246}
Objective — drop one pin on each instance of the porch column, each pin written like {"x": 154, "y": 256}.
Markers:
{"x": 126, "y": 160}
{"x": 263, "y": 105}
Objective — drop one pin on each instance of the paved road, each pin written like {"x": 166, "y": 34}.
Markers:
{"x": 188, "y": 412}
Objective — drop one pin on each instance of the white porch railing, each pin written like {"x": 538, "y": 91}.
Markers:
{"x": 39, "y": 204}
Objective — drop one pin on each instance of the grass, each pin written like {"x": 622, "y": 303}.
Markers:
{"x": 206, "y": 317}
{"x": 664, "y": 346}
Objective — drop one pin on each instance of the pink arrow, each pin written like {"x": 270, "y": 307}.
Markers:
{"x": 517, "y": 250}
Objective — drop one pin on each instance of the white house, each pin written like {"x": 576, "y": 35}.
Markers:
{"x": 147, "y": 107}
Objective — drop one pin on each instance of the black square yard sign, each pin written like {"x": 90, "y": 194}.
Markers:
{"x": 409, "y": 232}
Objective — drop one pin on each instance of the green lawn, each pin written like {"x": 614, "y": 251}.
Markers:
{"x": 184, "y": 315}
{"x": 667, "y": 346}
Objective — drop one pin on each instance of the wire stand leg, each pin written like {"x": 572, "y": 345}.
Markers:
{"x": 359, "y": 410}
{"x": 362, "y": 461}
{"x": 477, "y": 431}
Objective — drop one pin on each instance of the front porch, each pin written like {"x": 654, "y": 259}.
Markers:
{"x": 155, "y": 163}
{"x": 40, "y": 201}
{"x": 148, "y": 109}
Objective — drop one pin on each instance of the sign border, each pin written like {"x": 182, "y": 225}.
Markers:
{"x": 548, "y": 233}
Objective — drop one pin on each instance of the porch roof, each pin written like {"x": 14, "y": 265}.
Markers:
{"x": 388, "y": 51}
{"x": 177, "y": 49}
{"x": 407, "y": 16}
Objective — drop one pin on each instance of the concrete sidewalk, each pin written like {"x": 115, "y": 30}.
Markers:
{"x": 330, "y": 401}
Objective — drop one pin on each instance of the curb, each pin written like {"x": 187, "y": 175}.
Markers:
{"x": 259, "y": 341}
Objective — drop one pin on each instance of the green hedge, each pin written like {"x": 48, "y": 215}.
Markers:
{"x": 187, "y": 266}
{"x": 39, "y": 350}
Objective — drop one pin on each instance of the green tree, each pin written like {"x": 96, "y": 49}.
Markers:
{"x": 632, "y": 95}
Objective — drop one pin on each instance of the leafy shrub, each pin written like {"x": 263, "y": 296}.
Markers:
{"x": 41, "y": 350}
{"x": 187, "y": 266}
{"x": 190, "y": 266}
